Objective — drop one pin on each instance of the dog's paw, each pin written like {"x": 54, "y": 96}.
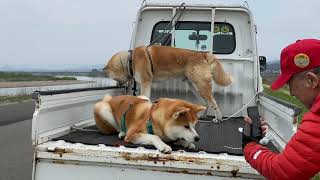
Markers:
{"x": 181, "y": 142}
{"x": 121, "y": 135}
{"x": 191, "y": 146}
{"x": 215, "y": 120}
{"x": 185, "y": 144}
{"x": 165, "y": 149}
{"x": 218, "y": 117}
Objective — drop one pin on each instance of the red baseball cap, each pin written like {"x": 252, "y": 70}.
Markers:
{"x": 297, "y": 57}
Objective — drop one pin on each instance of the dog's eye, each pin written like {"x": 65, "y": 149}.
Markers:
{"x": 187, "y": 127}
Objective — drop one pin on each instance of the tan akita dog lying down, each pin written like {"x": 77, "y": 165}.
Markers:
{"x": 159, "y": 63}
{"x": 140, "y": 121}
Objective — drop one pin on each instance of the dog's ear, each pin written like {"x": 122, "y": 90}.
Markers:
{"x": 179, "y": 110}
{"x": 198, "y": 108}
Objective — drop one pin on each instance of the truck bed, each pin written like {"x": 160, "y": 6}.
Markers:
{"x": 214, "y": 138}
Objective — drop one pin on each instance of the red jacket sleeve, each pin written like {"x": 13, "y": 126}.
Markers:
{"x": 299, "y": 160}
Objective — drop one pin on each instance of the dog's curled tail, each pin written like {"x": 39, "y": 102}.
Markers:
{"x": 107, "y": 98}
{"x": 219, "y": 75}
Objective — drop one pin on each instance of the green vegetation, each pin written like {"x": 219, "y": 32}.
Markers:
{"x": 8, "y": 99}
{"x": 95, "y": 73}
{"x": 13, "y": 77}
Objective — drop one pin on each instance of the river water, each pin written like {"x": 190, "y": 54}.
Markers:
{"x": 94, "y": 82}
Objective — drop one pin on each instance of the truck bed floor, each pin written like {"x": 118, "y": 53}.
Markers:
{"x": 214, "y": 138}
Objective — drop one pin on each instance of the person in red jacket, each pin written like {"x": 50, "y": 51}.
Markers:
{"x": 300, "y": 159}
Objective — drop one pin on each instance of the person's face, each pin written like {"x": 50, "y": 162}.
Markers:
{"x": 304, "y": 87}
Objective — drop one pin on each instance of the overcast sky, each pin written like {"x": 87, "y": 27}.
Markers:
{"x": 89, "y": 31}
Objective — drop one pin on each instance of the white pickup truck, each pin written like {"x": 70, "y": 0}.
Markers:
{"x": 61, "y": 150}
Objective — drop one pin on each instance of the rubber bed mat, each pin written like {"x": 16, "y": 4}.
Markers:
{"x": 214, "y": 138}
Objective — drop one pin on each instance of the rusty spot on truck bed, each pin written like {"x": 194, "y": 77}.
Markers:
{"x": 235, "y": 172}
{"x": 58, "y": 161}
{"x": 208, "y": 173}
{"x": 61, "y": 151}
{"x": 157, "y": 158}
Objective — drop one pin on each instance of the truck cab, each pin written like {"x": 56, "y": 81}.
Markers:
{"x": 66, "y": 144}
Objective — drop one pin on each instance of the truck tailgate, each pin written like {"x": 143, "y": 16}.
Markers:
{"x": 79, "y": 161}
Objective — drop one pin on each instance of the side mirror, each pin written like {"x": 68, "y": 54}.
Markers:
{"x": 263, "y": 63}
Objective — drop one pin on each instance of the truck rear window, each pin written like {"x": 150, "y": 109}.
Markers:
{"x": 195, "y": 36}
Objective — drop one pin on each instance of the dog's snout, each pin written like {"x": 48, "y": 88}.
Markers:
{"x": 197, "y": 138}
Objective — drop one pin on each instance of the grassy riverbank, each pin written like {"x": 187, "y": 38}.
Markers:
{"x": 10, "y": 99}
{"x": 14, "y": 77}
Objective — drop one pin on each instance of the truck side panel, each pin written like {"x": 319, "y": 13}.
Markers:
{"x": 280, "y": 119}
{"x": 59, "y": 111}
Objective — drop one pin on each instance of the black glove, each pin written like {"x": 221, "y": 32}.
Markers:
{"x": 247, "y": 139}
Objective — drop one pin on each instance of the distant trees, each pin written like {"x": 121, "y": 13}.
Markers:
{"x": 95, "y": 73}
{"x": 13, "y": 77}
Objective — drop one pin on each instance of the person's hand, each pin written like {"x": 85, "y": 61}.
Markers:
{"x": 264, "y": 127}
{"x": 247, "y": 138}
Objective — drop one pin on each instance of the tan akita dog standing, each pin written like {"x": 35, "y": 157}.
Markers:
{"x": 140, "y": 121}
{"x": 159, "y": 63}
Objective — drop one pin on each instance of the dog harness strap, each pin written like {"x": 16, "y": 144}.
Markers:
{"x": 134, "y": 88}
{"x": 149, "y": 57}
{"x": 123, "y": 126}
{"x": 130, "y": 62}
{"x": 130, "y": 70}
{"x": 149, "y": 127}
